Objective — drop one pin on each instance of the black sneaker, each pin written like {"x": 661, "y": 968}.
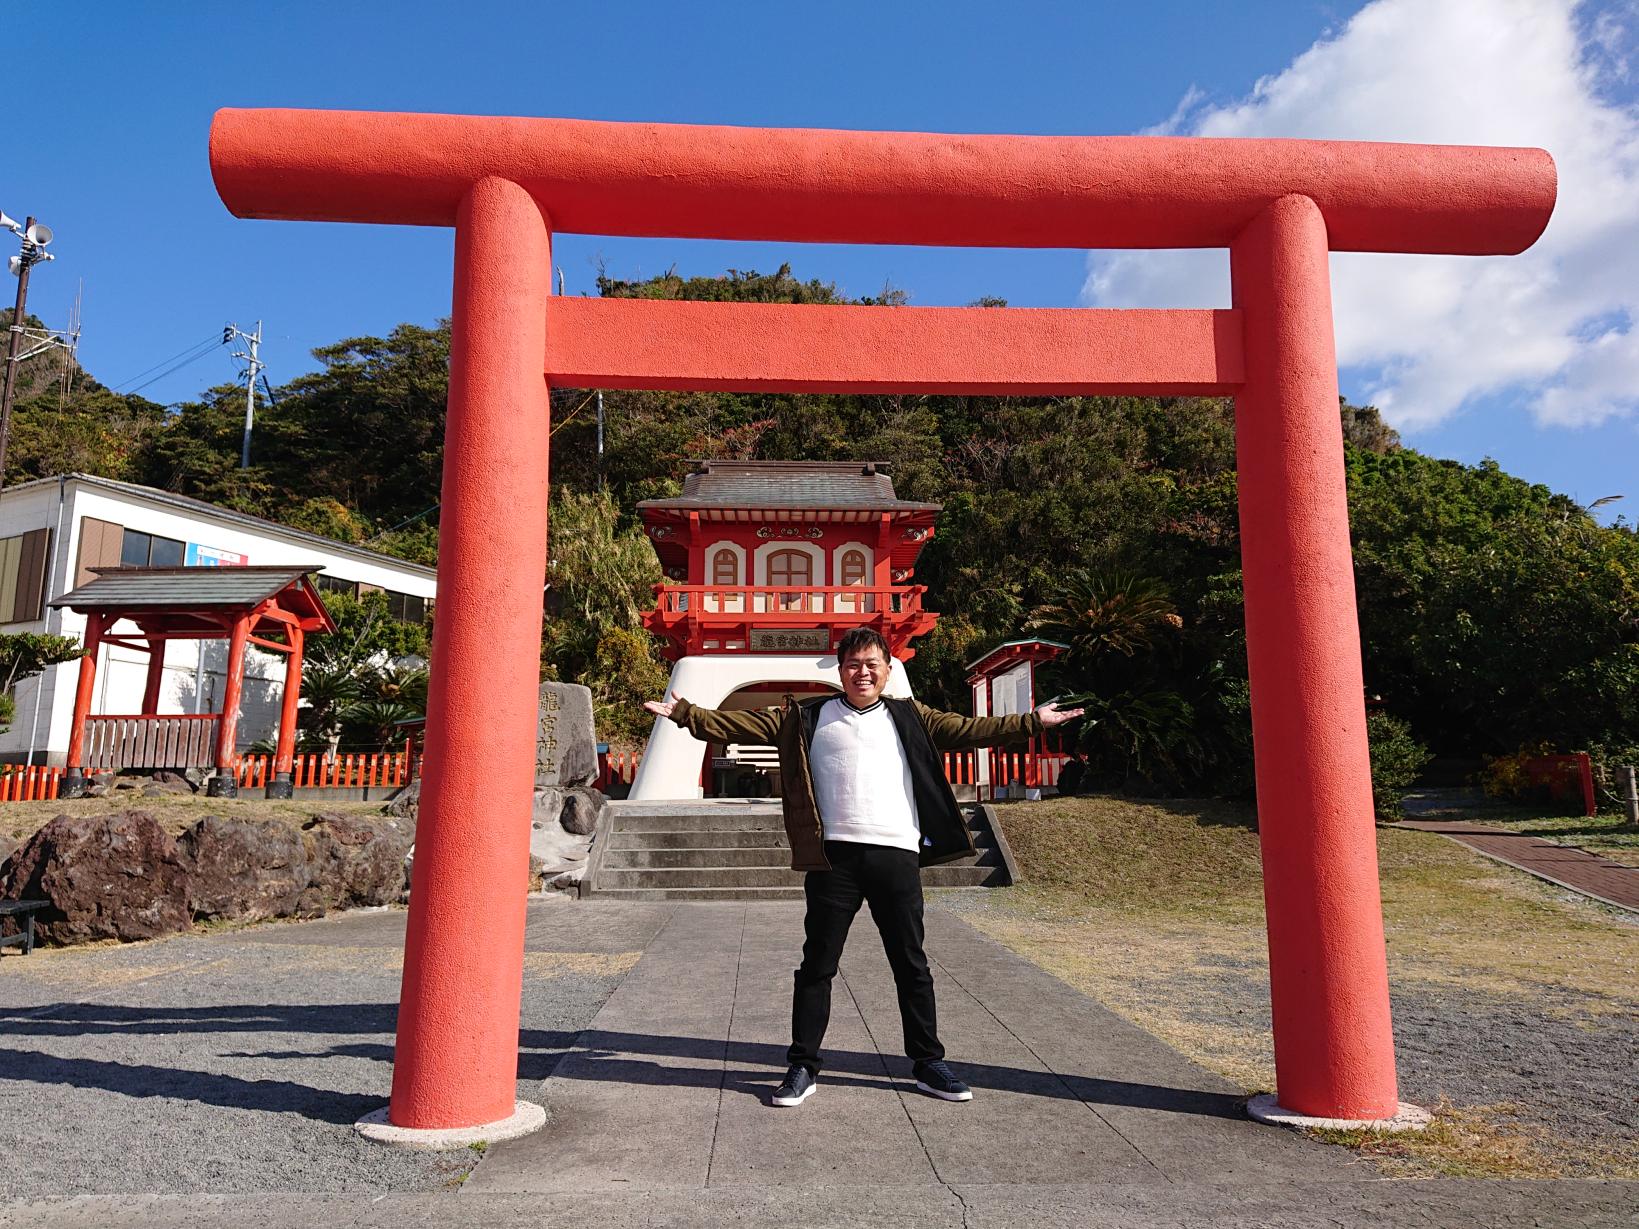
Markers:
{"x": 937, "y": 1079}
{"x": 798, "y": 1087}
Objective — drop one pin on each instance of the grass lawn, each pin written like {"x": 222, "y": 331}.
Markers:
{"x": 1156, "y": 910}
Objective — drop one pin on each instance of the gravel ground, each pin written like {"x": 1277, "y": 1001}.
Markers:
{"x": 238, "y": 1062}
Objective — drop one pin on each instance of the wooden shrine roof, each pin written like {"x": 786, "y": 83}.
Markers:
{"x": 166, "y": 597}
{"x": 842, "y": 486}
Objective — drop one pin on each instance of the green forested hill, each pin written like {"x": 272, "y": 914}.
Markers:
{"x": 1494, "y": 613}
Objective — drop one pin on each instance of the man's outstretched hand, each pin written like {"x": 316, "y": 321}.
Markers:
{"x": 662, "y": 708}
{"x": 1051, "y": 714}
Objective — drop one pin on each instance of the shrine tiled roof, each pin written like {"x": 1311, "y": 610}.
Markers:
{"x": 186, "y": 597}
{"x": 841, "y": 485}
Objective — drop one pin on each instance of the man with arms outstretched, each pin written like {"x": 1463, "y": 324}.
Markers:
{"x": 866, "y": 805}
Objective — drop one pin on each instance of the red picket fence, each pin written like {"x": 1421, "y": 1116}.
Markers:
{"x": 617, "y": 766}
{"x": 373, "y": 769}
{"x": 29, "y": 783}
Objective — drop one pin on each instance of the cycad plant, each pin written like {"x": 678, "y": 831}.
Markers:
{"x": 1121, "y": 628}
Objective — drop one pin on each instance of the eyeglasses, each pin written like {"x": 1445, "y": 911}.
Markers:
{"x": 862, "y": 667}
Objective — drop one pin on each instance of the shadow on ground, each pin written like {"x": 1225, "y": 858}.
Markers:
{"x": 604, "y": 1057}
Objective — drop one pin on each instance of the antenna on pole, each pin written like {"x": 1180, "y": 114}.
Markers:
{"x": 252, "y": 354}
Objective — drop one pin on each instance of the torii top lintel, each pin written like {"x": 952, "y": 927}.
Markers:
{"x": 828, "y": 186}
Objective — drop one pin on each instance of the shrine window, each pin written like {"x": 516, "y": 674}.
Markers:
{"x": 791, "y": 569}
{"x": 725, "y": 568}
{"x": 852, "y": 570}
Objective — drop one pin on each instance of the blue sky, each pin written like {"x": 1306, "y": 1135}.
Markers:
{"x": 119, "y": 100}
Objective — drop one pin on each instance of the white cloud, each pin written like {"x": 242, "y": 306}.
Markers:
{"x": 1425, "y": 334}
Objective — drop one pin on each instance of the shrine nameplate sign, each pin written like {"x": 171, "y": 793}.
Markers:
{"x": 805, "y": 640}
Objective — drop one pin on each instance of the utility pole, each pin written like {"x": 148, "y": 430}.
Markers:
{"x": 252, "y": 354}
{"x": 34, "y": 237}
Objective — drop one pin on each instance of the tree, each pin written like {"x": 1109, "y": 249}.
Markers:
{"x": 24, "y": 655}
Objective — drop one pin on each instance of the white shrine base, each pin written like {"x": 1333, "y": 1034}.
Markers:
{"x": 670, "y": 768}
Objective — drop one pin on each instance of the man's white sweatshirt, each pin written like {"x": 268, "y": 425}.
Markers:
{"x": 862, "y": 780}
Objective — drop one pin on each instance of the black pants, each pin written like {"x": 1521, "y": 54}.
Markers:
{"x": 892, "y": 884}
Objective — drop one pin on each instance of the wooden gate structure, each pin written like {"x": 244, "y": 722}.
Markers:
{"x": 1280, "y": 207}
{"x": 272, "y": 607}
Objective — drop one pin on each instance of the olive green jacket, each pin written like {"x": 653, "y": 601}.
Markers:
{"x": 923, "y": 732}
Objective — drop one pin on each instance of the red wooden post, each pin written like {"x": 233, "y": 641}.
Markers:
{"x": 156, "y": 675}
{"x": 224, "y": 784}
{"x": 74, "y": 780}
{"x": 283, "y": 782}
{"x": 1334, "y": 1052}
{"x": 456, "y": 1063}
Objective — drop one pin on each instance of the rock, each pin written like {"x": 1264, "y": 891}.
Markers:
{"x": 568, "y": 881}
{"x": 354, "y": 861}
{"x": 244, "y": 869}
{"x": 581, "y": 808}
{"x": 173, "y": 782}
{"x": 117, "y": 876}
{"x": 536, "y": 866}
{"x": 122, "y": 785}
{"x": 546, "y": 808}
{"x": 566, "y": 751}
{"x": 7, "y": 847}
{"x": 406, "y": 802}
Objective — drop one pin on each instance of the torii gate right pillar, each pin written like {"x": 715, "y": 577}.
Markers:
{"x": 1329, "y": 991}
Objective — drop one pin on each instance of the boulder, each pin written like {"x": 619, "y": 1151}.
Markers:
{"x": 355, "y": 861}
{"x": 244, "y": 869}
{"x": 581, "y": 808}
{"x": 7, "y": 847}
{"x": 406, "y": 802}
{"x": 173, "y": 782}
{"x": 566, "y": 746}
{"x": 117, "y": 876}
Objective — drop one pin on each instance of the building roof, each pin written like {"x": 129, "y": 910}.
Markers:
{"x": 863, "y": 486}
{"x": 166, "y": 591}
{"x": 1011, "y": 651}
{"x": 197, "y": 507}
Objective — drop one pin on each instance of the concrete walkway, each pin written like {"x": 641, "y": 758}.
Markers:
{"x": 669, "y": 1087}
{"x": 1565, "y": 865}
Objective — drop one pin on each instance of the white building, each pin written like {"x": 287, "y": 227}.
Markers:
{"x": 54, "y": 530}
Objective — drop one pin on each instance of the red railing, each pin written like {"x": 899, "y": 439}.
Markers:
{"x": 1033, "y": 769}
{"x": 781, "y": 601}
{"x": 381, "y": 769}
{"x": 29, "y": 783}
{"x": 1565, "y": 778}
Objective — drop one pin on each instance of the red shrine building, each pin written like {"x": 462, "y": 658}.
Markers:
{"x": 767, "y": 565}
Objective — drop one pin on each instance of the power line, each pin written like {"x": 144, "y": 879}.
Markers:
{"x": 169, "y": 371}
{"x": 204, "y": 347}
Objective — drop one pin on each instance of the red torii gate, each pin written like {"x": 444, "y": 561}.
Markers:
{"x": 1280, "y": 207}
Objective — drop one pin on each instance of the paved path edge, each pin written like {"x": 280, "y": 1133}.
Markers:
{"x": 1437, "y": 827}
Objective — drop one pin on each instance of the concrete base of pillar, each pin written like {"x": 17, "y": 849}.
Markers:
{"x": 1408, "y": 1117}
{"x": 222, "y": 785}
{"x": 72, "y": 785}
{"x": 281, "y": 786}
{"x": 525, "y": 1117}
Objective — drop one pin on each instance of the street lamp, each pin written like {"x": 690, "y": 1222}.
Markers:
{"x": 35, "y": 236}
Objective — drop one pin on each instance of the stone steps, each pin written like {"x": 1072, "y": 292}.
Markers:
{"x": 734, "y": 850}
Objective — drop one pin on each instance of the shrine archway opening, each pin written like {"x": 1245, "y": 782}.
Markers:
{"x": 1280, "y": 208}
